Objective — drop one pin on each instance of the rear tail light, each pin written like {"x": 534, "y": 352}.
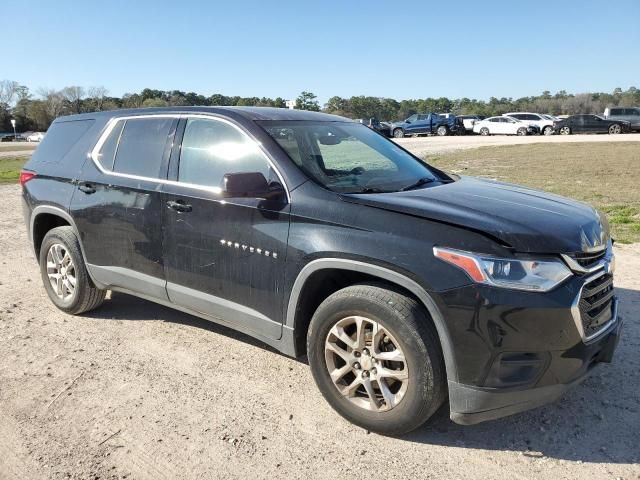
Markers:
{"x": 25, "y": 176}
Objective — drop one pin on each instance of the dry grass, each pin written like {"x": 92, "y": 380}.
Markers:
{"x": 605, "y": 175}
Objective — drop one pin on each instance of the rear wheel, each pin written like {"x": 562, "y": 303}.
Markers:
{"x": 615, "y": 129}
{"x": 484, "y": 131}
{"x": 442, "y": 131}
{"x": 375, "y": 357}
{"x": 398, "y": 133}
{"x": 522, "y": 132}
{"x": 64, "y": 273}
{"x": 565, "y": 131}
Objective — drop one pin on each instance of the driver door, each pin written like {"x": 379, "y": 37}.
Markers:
{"x": 413, "y": 124}
{"x": 223, "y": 256}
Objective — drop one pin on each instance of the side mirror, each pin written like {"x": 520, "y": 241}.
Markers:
{"x": 407, "y": 121}
{"x": 249, "y": 184}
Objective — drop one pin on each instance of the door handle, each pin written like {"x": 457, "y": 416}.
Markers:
{"x": 179, "y": 206}
{"x": 87, "y": 188}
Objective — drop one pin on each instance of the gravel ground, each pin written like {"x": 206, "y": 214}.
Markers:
{"x": 136, "y": 390}
{"x": 421, "y": 146}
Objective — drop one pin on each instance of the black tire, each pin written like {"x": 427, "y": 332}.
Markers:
{"x": 548, "y": 130}
{"x": 565, "y": 131}
{"x": 442, "y": 131}
{"x": 85, "y": 296}
{"x": 398, "y": 133}
{"x": 522, "y": 132}
{"x": 484, "y": 131}
{"x": 410, "y": 325}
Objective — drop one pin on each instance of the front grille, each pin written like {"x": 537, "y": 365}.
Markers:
{"x": 596, "y": 304}
{"x": 587, "y": 260}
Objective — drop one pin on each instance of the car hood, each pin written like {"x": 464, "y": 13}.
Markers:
{"x": 525, "y": 219}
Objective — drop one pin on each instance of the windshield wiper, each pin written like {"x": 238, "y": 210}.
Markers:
{"x": 372, "y": 190}
{"x": 419, "y": 183}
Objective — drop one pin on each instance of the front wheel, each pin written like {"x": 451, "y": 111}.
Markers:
{"x": 615, "y": 129}
{"x": 442, "y": 131}
{"x": 64, "y": 273}
{"x": 398, "y": 133}
{"x": 375, "y": 357}
{"x": 484, "y": 131}
{"x": 548, "y": 130}
{"x": 565, "y": 131}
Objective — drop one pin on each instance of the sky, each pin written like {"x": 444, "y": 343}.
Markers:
{"x": 409, "y": 49}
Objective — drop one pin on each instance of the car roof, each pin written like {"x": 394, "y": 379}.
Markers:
{"x": 249, "y": 113}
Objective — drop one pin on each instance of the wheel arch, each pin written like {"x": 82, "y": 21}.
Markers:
{"x": 46, "y": 217}
{"x": 309, "y": 284}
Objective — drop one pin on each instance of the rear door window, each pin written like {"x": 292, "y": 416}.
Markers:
{"x": 143, "y": 145}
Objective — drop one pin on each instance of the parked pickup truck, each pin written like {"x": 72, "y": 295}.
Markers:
{"x": 426, "y": 124}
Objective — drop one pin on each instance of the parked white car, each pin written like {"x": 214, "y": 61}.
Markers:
{"x": 504, "y": 125}
{"x": 35, "y": 137}
{"x": 541, "y": 121}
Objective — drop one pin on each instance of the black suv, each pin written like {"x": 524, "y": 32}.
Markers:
{"x": 403, "y": 285}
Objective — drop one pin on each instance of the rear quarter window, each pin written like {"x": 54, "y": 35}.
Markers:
{"x": 60, "y": 139}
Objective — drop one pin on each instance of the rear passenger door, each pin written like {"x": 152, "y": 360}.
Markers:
{"x": 224, "y": 257}
{"x": 118, "y": 203}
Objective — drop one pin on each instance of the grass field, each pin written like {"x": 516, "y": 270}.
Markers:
{"x": 605, "y": 175}
{"x": 10, "y": 168}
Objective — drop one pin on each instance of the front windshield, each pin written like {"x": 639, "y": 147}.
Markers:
{"x": 348, "y": 157}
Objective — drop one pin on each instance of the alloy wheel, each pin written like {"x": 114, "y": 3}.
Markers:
{"x": 366, "y": 364}
{"x": 614, "y": 129}
{"x": 61, "y": 271}
{"x": 565, "y": 130}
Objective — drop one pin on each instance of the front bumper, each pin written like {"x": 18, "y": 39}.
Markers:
{"x": 472, "y": 404}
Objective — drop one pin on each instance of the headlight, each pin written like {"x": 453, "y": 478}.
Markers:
{"x": 528, "y": 274}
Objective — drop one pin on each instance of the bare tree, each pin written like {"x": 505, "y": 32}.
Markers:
{"x": 53, "y": 103}
{"x": 8, "y": 91}
{"x": 99, "y": 95}
{"x": 74, "y": 96}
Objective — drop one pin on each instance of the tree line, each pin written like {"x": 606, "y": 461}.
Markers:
{"x": 36, "y": 110}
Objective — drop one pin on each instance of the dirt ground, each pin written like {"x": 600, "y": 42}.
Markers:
{"x": 135, "y": 390}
